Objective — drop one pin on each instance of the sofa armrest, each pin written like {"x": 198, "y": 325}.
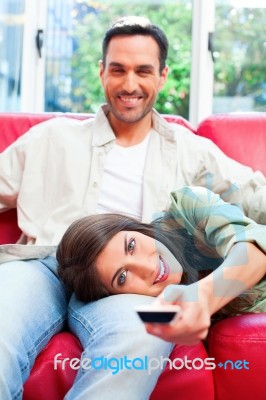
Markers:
{"x": 239, "y": 344}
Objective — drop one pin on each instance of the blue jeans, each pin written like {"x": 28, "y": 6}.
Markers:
{"x": 34, "y": 308}
{"x": 110, "y": 330}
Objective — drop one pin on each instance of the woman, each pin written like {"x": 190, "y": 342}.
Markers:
{"x": 111, "y": 254}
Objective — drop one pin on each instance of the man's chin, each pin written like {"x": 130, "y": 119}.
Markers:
{"x": 129, "y": 117}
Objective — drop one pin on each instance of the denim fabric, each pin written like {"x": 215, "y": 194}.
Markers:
{"x": 33, "y": 308}
{"x": 110, "y": 329}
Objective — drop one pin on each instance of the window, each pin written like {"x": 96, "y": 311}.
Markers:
{"x": 11, "y": 42}
{"x": 73, "y": 49}
{"x": 240, "y": 56}
{"x": 63, "y": 74}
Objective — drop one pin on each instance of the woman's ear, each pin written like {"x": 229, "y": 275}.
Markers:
{"x": 105, "y": 292}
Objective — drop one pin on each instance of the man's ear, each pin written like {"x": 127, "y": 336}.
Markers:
{"x": 101, "y": 69}
{"x": 163, "y": 77}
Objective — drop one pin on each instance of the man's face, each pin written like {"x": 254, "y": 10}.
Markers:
{"x": 131, "y": 78}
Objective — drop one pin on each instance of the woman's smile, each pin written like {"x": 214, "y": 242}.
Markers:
{"x": 163, "y": 271}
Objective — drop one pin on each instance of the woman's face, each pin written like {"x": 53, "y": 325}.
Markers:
{"x": 132, "y": 262}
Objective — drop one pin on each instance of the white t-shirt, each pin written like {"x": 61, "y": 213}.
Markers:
{"x": 122, "y": 184}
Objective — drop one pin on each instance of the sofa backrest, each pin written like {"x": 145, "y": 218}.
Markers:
{"x": 13, "y": 125}
{"x": 242, "y": 136}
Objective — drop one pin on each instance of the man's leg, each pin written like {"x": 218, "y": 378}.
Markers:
{"x": 121, "y": 351}
{"x": 33, "y": 308}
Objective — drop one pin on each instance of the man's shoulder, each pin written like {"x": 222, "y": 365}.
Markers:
{"x": 61, "y": 125}
{"x": 78, "y": 120}
{"x": 173, "y": 127}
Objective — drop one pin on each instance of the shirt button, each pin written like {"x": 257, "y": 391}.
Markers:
{"x": 95, "y": 184}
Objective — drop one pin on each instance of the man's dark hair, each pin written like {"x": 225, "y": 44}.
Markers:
{"x": 137, "y": 26}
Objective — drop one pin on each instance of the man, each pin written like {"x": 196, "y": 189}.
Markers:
{"x": 127, "y": 160}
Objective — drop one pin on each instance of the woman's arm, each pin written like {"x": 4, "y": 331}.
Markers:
{"x": 244, "y": 266}
{"x": 224, "y": 227}
{"x": 213, "y": 222}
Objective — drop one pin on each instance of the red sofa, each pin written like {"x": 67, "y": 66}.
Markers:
{"x": 237, "y": 344}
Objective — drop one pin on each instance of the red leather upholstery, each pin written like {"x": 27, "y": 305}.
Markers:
{"x": 10, "y": 232}
{"x": 45, "y": 381}
{"x": 240, "y": 135}
{"x": 14, "y": 125}
{"x": 185, "y": 384}
{"x": 241, "y": 338}
{"x": 243, "y": 137}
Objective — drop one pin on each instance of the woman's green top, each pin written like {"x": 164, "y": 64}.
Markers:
{"x": 218, "y": 225}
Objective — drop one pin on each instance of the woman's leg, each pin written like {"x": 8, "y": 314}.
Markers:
{"x": 33, "y": 308}
{"x": 125, "y": 361}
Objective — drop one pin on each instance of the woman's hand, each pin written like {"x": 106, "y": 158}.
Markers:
{"x": 189, "y": 326}
{"x": 243, "y": 267}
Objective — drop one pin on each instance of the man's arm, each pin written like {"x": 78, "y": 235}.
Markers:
{"x": 203, "y": 163}
{"x": 11, "y": 167}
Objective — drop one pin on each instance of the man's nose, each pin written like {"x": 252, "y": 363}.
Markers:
{"x": 130, "y": 82}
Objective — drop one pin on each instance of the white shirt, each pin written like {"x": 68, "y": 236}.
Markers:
{"x": 122, "y": 184}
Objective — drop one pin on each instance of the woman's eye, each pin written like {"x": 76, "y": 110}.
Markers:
{"x": 131, "y": 246}
{"x": 122, "y": 278}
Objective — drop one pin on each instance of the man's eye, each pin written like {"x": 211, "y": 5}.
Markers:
{"x": 122, "y": 278}
{"x": 131, "y": 246}
{"x": 144, "y": 71}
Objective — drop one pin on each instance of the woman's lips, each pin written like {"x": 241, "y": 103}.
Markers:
{"x": 163, "y": 271}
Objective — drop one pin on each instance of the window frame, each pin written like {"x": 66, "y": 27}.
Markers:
{"x": 33, "y": 66}
{"x": 201, "y": 87}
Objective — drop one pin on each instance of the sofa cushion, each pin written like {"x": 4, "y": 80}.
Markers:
{"x": 47, "y": 382}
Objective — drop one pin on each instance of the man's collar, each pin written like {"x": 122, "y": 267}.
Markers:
{"x": 103, "y": 133}
{"x": 102, "y": 130}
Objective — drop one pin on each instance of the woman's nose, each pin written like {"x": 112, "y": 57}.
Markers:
{"x": 144, "y": 269}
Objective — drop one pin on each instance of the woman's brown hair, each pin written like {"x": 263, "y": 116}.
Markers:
{"x": 84, "y": 240}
